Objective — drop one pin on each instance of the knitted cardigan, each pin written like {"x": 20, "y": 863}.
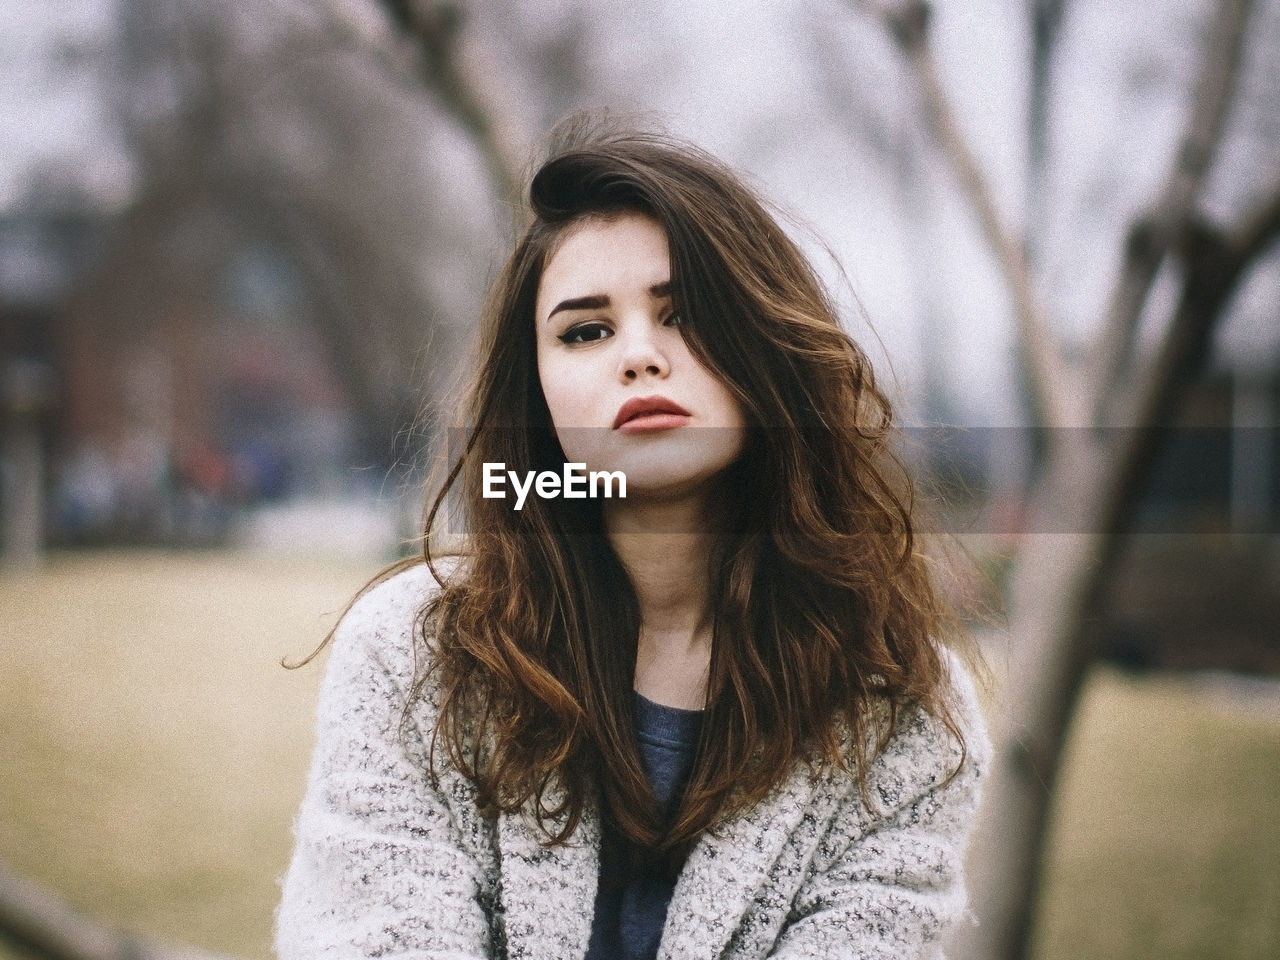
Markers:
{"x": 389, "y": 863}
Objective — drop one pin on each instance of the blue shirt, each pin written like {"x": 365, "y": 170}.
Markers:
{"x": 631, "y": 904}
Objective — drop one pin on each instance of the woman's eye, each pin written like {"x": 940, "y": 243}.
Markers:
{"x": 585, "y": 333}
{"x": 673, "y": 319}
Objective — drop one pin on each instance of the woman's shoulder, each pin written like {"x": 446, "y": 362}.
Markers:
{"x": 929, "y": 748}
{"x": 964, "y": 703}
{"x": 382, "y": 623}
{"x": 399, "y": 591}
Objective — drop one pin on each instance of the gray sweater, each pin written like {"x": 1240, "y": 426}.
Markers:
{"x": 389, "y": 864}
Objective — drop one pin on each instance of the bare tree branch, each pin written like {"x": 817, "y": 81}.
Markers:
{"x": 1215, "y": 264}
{"x": 1151, "y": 236}
{"x": 1053, "y": 397}
{"x": 335, "y": 220}
{"x": 52, "y": 928}
{"x": 1254, "y": 237}
{"x": 435, "y": 25}
{"x": 375, "y": 329}
{"x": 1046, "y": 24}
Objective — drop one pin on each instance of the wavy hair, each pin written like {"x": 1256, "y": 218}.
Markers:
{"x": 825, "y": 622}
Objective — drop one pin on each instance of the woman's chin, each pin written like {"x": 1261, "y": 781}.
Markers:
{"x": 675, "y": 463}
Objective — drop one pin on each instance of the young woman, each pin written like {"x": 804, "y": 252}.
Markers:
{"x": 710, "y": 719}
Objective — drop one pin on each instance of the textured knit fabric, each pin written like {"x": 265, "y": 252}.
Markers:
{"x": 390, "y": 862}
{"x": 631, "y": 903}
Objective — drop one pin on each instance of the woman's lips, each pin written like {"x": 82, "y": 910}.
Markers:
{"x": 653, "y": 422}
{"x": 648, "y": 414}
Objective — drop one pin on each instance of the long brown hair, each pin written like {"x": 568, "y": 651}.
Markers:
{"x": 826, "y": 622}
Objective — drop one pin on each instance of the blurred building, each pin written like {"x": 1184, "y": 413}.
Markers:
{"x": 156, "y": 375}
{"x": 64, "y": 177}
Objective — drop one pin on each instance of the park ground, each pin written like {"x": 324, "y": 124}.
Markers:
{"x": 155, "y": 751}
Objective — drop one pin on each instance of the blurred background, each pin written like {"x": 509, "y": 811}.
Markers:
{"x": 242, "y": 250}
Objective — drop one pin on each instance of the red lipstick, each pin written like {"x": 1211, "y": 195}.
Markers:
{"x": 645, "y": 414}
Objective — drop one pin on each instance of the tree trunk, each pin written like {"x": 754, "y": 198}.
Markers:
{"x": 1039, "y": 672}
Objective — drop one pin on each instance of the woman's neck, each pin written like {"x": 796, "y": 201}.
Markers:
{"x": 665, "y": 549}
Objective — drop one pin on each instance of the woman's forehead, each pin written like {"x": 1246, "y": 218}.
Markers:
{"x": 598, "y": 256}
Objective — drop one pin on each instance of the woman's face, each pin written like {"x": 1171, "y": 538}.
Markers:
{"x": 624, "y": 391}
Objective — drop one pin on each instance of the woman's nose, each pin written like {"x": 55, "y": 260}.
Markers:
{"x": 642, "y": 356}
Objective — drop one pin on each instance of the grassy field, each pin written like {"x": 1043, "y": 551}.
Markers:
{"x": 1167, "y": 836}
{"x": 155, "y": 752}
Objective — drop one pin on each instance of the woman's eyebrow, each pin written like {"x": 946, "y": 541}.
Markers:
{"x": 593, "y": 302}
{"x": 599, "y": 301}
